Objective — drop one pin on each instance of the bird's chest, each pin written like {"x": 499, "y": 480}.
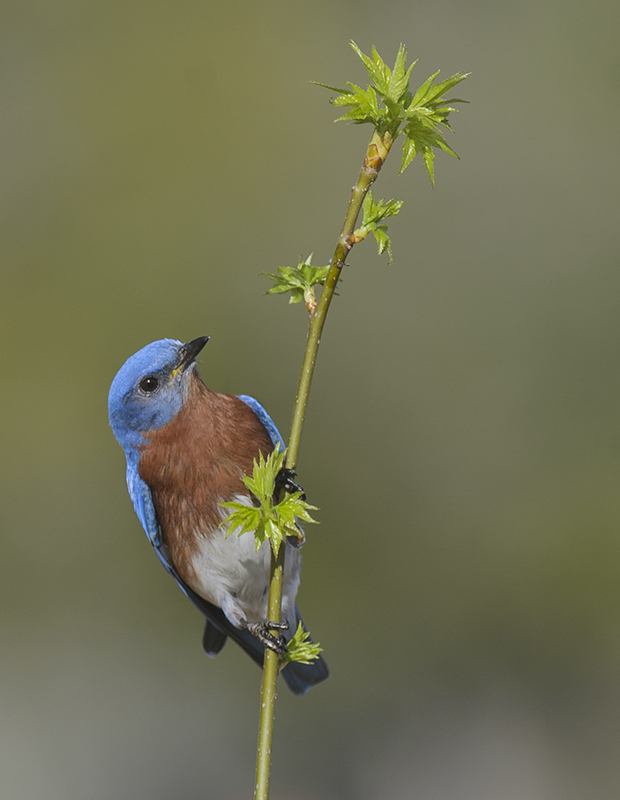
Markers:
{"x": 187, "y": 489}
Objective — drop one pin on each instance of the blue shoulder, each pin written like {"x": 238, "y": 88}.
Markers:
{"x": 264, "y": 417}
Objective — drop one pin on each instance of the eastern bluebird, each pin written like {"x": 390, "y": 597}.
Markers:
{"x": 187, "y": 449}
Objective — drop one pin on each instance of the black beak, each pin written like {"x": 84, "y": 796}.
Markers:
{"x": 189, "y": 351}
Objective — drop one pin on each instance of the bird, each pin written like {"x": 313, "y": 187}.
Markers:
{"x": 187, "y": 449}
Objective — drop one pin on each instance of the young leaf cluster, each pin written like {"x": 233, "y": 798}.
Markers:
{"x": 299, "y": 281}
{"x": 389, "y": 105}
{"x": 373, "y": 212}
{"x": 299, "y": 648}
{"x": 268, "y": 520}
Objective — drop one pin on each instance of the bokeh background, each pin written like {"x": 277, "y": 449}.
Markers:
{"x": 463, "y": 436}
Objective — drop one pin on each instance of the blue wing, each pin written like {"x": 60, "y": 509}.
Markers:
{"x": 143, "y": 504}
{"x": 264, "y": 417}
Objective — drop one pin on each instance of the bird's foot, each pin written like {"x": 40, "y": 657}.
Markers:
{"x": 262, "y": 631}
{"x": 285, "y": 479}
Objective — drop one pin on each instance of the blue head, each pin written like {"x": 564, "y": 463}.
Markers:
{"x": 150, "y": 388}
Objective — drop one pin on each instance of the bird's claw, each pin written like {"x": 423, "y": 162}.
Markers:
{"x": 262, "y": 631}
{"x": 285, "y": 479}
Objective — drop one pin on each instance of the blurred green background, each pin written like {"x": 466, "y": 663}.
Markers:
{"x": 463, "y": 436}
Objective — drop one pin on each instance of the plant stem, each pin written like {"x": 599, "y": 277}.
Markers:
{"x": 268, "y": 685}
{"x": 376, "y": 154}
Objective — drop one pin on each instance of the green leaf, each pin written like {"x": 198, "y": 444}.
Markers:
{"x": 428, "y": 155}
{"x": 399, "y": 80}
{"x": 422, "y": 135}
{"x": 442, "y": 87}
{"x": 299, "y": 281}
{"x": 421, "y": 92}
{"x": 363, "y": 103}
{"x": 272, "y": 531}
{"x": 244, "y": 518}
{"x": 376, "y": 68}
{"x": 383, "y": 241}
{"x": 372, "y": 213}
{"x": 331, "y": 88}
{"x": 426, "y": 113}
{"x": 292, "y": 508}
{"x": 381, "y": 102}
{"x": 300, "y": 648}
{"x": 390, "y": 106}
{"x": 268, "y": 520}
{"x": 409, "y": 153}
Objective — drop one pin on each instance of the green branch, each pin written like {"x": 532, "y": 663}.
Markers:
{"x": 271, "y": 668}
{"x": 393, "y": 111}
{"x": 377, "y": 152}
{"x": 272, "y": 519}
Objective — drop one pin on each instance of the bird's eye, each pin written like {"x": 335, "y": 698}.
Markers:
{"x": 149, "y": 384}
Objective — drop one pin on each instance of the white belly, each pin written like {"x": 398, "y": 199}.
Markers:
{"x": 231, "y": 574}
